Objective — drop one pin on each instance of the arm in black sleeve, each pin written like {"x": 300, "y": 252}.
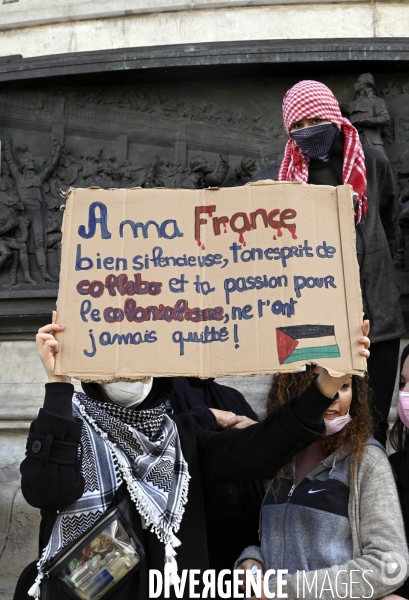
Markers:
{"x": 50, "y": 473}
{"x": 203, "y": 417}
{"x": 260, "y": 451}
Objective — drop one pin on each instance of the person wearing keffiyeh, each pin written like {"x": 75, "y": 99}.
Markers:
{"x": 325, "y": 149}
{"x": 87, "y": 452}
{"x": 313, "y": 101}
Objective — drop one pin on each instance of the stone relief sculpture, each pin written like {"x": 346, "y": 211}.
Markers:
{"x": 244, "y": 172}
{"x": 29, "y": 188}
{"x": 367, "y": 112}
{"x": 13, "y": 236}
{"x": 202, "y": 173}
{"x": 370, "y": 115}
{"x": 390, "y": 90}
{"x": 145, "y": 135}
{"x": 31, "y": 198}
{"x": 150, "y": 180}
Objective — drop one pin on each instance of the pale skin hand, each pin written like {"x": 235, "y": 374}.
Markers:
{"x": 229, "y": 420}
{"x": 47, "y": 347}
{"x": 239, "y": 422}
{"x": 222, "y": 416}
{"x": 328, "y": 385}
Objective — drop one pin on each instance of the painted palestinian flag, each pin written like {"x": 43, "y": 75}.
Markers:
{"x": 306, "y": 342}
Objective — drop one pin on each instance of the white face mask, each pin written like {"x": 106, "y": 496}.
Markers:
{"x": 128, "y": 393}
{"x": 403, "y": 407}
{"x": 335, "y": 425}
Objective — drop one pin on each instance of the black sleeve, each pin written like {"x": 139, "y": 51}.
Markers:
{"x": 260, "y": 451}
{"x": 50, "y": 473}
{"x": 203, "y": 417}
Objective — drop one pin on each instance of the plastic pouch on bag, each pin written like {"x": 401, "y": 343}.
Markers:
{"x": 98, "y": 563}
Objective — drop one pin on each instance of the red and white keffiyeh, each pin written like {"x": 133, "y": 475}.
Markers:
{"x": 311, "y": 99}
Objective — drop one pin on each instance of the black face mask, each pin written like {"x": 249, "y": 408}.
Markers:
{"x": 316, "y": 141}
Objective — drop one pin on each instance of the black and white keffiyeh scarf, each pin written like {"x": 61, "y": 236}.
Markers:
{"x": 141, "y": 448}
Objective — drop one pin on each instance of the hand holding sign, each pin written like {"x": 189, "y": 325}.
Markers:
{"x": 47, "y": 347}
{"x": 328, "y": 385}
{"x": 209, "y": 282}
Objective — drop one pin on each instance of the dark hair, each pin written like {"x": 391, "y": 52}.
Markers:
{"x": 399, "y": 440}
{"x": 399, "y": 431}
{"x": 354, "y": 435}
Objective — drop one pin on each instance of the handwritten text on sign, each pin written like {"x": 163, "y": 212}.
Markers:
{"x": 209, "y": 282}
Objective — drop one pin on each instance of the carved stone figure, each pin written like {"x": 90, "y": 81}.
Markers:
{"x": 249, "y": 166}
{"x": 202, "y": 173}
{"x": 29, "y": 184}
{"x": 251, "y": 169}
{"x": 391, "y": 89}
{"x": 115, "y": 172}
{"x": 403, "y": 167}
{"x": 150, "y": 180}
{"x": 388, "y": 134}
{"x": 128, "y": 173}
{"x": 370, "y": 115}
{"x": 13, "y": 234}
{"x": 367, "y": 112}
{"x": 53, "y": 225}
{"x": 178, "y": 178}
{"x": 90, "y": 167}
{"x": 404, "y": 192}
{"x": 403, "y": 199}
{"x": 6, "y": 181}
{"x": 168, "y": 169}
{"x": 67, "y": 169}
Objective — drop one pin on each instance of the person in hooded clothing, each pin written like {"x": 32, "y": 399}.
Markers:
{"x": 332, "y": 516}
{"x": 90, "y": 452}
{"x": 232, "y": 509}
{"x": 325, "y": 149}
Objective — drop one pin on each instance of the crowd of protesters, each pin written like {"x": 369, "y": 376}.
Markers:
{"x": 190, "y": 478}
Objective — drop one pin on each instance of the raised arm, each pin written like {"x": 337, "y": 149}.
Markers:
{"x": 46, "y": 172}
{"x": 10, "y": 160}
{"x": 50, "y": 473}
{"x": 216, "y": 178}
{"x": 260, "y": 451}
{"x": 51, "y": 476}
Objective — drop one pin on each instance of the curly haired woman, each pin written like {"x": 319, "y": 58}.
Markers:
{"x": 332, "y": 516}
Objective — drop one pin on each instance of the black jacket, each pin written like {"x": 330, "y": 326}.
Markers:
{"x": 51, "y": 478}
{"x": 232, "y": 509}
{"x": 380, "y": 282}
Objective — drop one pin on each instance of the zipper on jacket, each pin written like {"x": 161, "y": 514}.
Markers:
{"x": 283, "y": 536}
{"x": 289, "y": 495}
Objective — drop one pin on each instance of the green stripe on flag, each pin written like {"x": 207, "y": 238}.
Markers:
{"x": 313, "y": 352}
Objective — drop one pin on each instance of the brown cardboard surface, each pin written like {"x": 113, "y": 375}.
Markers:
{"x": 297, "y": 248}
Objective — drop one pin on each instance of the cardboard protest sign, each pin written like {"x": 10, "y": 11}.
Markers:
{"x": 254, "y": 279}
